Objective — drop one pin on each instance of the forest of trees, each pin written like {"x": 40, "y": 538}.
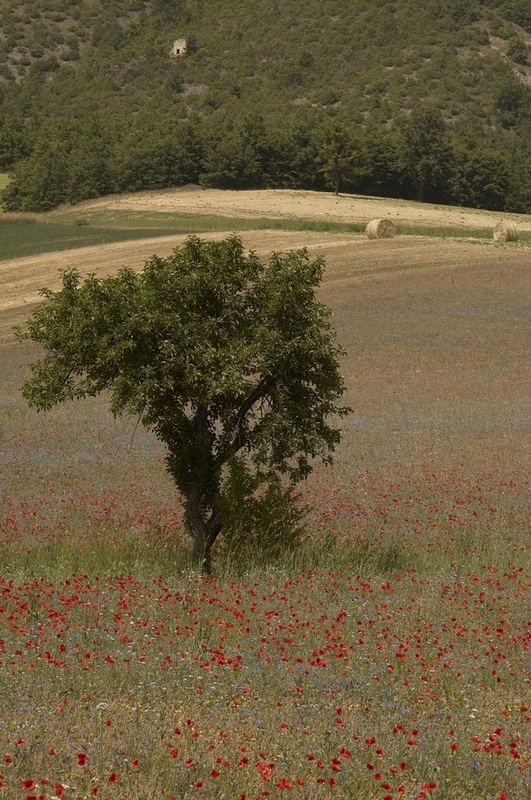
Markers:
{"x": 421, "y": 157}
{"x": 427, "y": 100}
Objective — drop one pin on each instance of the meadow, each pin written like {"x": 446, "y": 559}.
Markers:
{"x": 384, "y": 658}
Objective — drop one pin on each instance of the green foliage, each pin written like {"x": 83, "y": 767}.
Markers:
{"x": 261, "y": 522}
{"x": 511, "y": 97}
{"x": 236, "y": 158}
{"x": 68, "y": 163}
{"x": 14, "y": 141}
{"x": 427, "y": 153}
{"x": 517, "y": 11}
{"x": 4, "y": 180}
{"x": 342, "y": 156}
{"x": 518, "y": 51}
{"x": 481, "y": 177}
{"x": 216, "y": 352}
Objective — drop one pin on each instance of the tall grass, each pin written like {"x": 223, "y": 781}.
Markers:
{"x": 345, "y": 669}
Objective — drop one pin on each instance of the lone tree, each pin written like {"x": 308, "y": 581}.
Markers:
{"x": 222, "y": 356}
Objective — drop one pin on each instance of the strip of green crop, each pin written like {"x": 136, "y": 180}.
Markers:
{"x": 27, "y": 238}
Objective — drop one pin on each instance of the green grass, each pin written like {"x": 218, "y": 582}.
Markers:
{"x": 26, "y": 238}
{"x": 202, "y": 223}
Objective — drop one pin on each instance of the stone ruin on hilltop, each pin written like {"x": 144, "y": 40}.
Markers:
{"x": 180, "y": 48}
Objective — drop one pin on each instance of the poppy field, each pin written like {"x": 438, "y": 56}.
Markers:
{"x": 369, "y": 679}
{"x": 385, "y": 657}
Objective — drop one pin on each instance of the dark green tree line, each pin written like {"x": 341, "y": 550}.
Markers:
{"x": 422, "y": 158}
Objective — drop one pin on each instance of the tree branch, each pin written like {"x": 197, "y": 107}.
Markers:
{"x": 235, "y": 439}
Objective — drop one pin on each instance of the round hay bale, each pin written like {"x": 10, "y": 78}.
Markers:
{"x": 380, "y": 229}
{"x": 505, "y": 232}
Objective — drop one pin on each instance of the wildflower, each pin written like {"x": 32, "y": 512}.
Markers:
{"x": 284, "y": 783}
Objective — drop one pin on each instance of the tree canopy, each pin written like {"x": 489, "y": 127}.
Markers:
{"x": 223, "y": 356}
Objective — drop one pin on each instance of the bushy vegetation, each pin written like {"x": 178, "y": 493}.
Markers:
{"x": 421, "y": 158}
{"x": 90, "y": 101}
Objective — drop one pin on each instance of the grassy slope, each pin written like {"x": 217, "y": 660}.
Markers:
{"x": 30, "y": 238}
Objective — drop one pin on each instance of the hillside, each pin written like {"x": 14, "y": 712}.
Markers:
{"x": 105, "y": 68}
{"x": 366, "y": 58}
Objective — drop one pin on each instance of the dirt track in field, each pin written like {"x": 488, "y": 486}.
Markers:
{"x": 288, "y": 203}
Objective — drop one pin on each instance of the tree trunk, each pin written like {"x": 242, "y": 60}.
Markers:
{"x": 203, "y": 533}
{"x": 201, "y": 491}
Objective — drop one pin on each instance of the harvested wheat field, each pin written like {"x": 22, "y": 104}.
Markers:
{"x": 280, "y": 203}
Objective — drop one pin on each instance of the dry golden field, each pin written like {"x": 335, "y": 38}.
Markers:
{"x": 282, "y": 203}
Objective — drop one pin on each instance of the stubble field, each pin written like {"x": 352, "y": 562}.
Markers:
{"x": 386, "y": 659}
